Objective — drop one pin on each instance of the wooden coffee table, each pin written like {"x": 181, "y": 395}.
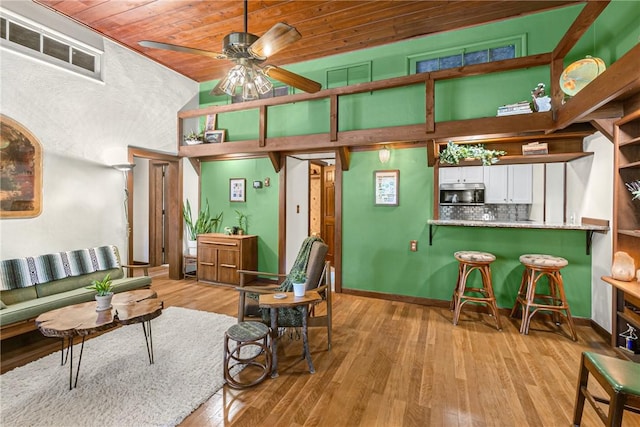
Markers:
{"x": 139, "y": 306}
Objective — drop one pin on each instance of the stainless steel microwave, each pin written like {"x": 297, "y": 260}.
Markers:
{"x": 461, "y": 194}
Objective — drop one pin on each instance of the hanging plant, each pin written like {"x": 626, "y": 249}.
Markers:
{"x": 454, "y": 153}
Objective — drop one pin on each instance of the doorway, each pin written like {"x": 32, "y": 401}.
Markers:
{"x": 156, "y": 232}
{"x": 310, "y": 203}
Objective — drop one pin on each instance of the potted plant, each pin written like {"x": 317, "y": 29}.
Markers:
{"x": 104, "y": 294}
{"x": 243, "y": 222}
{"x": 204, "y": 224}
{"x": 298, "y": 279}
{"x": 454, "y": 153}
{"x": 193, "y": 138}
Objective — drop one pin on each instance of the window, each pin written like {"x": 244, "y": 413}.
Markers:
{"x": 43, "y": 44}
{"x": 496, "y": 50}
{"x": 345, "y": 76}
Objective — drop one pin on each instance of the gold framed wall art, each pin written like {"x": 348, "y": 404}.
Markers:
{"x": 20, "y": 171}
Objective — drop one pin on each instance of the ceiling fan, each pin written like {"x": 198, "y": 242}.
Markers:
{"x": 248, "y": 52}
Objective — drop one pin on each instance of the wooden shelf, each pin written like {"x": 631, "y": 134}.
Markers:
{"x": 631, "y": 165}
{"x": 514, "y": 160}
{"x": 631, "y": 288}
{"x": 634, "y": 233}
{"x": 634, "y": 141}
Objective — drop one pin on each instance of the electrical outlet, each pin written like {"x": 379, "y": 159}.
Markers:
{"x": 413, "y": 245}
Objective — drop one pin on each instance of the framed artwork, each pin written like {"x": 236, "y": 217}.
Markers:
{"x": 386, "y": 186}
{"x": 214, "y": 136}
{"x": 237, "y": 189}
{"x": 211, "y": 122}
{"x": 20, "y": 171}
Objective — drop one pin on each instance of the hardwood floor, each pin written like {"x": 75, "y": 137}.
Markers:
{"x": 391, "y": 364}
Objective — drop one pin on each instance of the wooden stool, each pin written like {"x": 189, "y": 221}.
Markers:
{"x": 536, "y": 267}
{"x": 619, "y": 378}
{"x": 469, "y": 261}
{"x": 246, "y": 335}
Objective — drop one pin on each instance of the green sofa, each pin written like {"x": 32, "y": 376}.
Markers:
{"x": 31, "y": 286}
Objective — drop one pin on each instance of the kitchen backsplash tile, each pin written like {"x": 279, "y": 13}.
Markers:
{"x": 503, "y": 213}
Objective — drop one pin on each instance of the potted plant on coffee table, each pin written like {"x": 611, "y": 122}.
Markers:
{"x": 104, "y": 294}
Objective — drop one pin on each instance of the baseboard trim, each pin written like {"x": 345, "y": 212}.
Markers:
{"x": 579, "y": 321}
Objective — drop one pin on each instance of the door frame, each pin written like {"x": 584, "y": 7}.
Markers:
{"x": 173, "y": 213}
{"x": 282, "y": 219}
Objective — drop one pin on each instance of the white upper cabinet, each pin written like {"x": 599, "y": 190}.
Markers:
{"x": 508, "y": 184}
{"x": 460, "y": 175}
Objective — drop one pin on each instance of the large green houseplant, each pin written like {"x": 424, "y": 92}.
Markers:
{"x": 205, "y": 223}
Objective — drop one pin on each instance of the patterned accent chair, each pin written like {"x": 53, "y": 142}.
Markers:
{"x": 318, "y": 272}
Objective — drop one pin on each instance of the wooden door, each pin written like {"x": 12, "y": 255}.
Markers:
{"x": 328, "y": 209}
{"x": 157, "y": 219}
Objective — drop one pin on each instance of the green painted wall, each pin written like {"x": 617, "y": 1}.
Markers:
{"x": 376, "y": 254}
{"x": 376, "y": 240}
{"x": 261, "y": 205}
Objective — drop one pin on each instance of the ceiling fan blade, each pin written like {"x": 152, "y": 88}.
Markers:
{"x": 292, "y": 79}
{"x": 274, "y": 40}
{"x": 176, "y": 48}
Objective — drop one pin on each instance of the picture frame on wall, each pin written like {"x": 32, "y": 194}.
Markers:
{"x": 237, "y": 188}
{"x": 386, "y": 187}
{"x": 21, "y": 165}
{"x": 214, "y": 136}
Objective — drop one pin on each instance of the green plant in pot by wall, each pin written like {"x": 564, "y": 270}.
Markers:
{"x": 454, "y": 153}
{"x": 243, "y": 222}
{"x": 205, "y": 223}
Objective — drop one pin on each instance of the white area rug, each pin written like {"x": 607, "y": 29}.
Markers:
{"x": 117, "y": 386}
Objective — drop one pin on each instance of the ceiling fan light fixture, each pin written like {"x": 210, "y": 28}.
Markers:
{"x": 263, "y": 84}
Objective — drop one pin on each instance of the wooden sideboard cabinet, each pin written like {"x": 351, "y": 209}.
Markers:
{"x": 221, "y": 256}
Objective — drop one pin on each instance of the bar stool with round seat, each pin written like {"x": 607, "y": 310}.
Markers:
{"x": 250, "y": 349}
{"x": 537, "y": 266}
{"x": 468, "y": 261}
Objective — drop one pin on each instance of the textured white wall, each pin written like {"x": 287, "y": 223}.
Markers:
{"x": 597, "y": 179}
{"x": 297, "y": 196}
{"x": 84, "y": 127}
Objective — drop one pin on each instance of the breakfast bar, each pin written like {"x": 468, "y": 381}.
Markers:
{"x": 588, "y": 225}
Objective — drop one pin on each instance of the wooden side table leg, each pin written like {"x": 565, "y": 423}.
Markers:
{"x": 274, "y": 341}
{"x": 305, "y": 339}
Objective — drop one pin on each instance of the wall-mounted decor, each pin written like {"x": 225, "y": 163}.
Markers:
{"x": 20, "y": 171}
{"x": 237, "y": 189}
{"x": 214, "y": 136}
{"x": 386, "y": 186}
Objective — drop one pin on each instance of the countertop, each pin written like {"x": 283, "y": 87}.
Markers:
{"x": 518, "y": 224}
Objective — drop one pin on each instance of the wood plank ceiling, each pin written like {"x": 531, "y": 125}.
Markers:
{"x": 327, "y": 27}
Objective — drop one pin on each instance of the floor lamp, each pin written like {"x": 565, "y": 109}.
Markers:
{"x": 125, "y": 168}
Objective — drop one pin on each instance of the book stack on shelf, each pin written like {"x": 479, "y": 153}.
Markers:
{"x": 522, "y": 107}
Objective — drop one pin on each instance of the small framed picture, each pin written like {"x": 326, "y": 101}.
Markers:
{"x": 214, "y": 136}
{"x": 386, "y": 186}
{"x": 211, "y": 122}
{"x": 237, "y": 189}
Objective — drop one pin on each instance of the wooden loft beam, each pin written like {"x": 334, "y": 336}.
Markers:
{"x": 620, "y": 80}
{"x": 276, "y": 160}
{"x": 582, "y": 23}
{"x": 345, "y": 157}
